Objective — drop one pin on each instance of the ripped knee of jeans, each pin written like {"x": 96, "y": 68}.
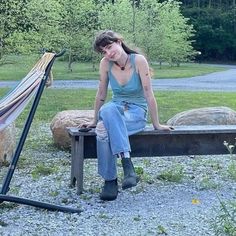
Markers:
{"x": 101, "y": 131}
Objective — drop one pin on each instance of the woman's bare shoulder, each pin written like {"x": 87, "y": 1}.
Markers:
{"x": 140, "y": 57}
{"x": 104, "y": 61}
{"x": 140, "y": 60}
{"x": 104, "y": 64}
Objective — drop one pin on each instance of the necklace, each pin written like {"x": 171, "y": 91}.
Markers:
{"x": 122, "y": 67}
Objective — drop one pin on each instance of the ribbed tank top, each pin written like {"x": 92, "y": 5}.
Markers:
{"x": 132, "y": 91}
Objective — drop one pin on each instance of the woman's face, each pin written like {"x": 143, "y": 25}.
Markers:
{"x": 113, "y": 51}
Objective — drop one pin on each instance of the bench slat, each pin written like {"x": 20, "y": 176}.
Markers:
{"x": 183, "y": 140}
{"x": 194, "y": 129}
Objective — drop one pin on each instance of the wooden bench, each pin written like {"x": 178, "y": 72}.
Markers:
{"x": 184, "y": 140}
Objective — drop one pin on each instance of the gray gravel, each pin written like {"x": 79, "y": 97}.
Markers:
{"x": 153, "y": 207}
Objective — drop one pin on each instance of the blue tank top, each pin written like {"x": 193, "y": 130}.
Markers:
{"x": 132, "y": 91}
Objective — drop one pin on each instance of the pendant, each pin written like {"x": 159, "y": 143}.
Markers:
{"x": 122, "y": 67}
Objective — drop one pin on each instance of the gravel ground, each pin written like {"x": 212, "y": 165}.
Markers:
{"x": 187, "y": 206}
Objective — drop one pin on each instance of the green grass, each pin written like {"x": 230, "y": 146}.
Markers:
{"x": 225, "y": 222}
{"x": 175, "y": 174}
{"x": 184, "y": 71}
{"x": 169, "y": 103}
{"x": 16, "y": 67}
{"x": 42, "y": 170}
{"x": 232, "y": 170}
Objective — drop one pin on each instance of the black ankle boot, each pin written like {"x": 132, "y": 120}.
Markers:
{"x": 109, "y": 190}
{"x": 130, "y": 177}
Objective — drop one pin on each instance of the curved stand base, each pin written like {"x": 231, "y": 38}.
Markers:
{"x": 38, "y": 204}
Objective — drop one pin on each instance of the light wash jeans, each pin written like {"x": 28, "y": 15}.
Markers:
{"x": 116, "y": 122}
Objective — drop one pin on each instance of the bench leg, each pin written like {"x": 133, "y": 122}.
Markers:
{"x": 77, "y": 163}
{"x": 73, "y": 153}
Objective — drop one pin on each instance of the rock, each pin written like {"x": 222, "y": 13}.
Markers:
{"x": 205, "y": 116}
{"x": 69, "y": 118}
{"x": 7, "y": 144}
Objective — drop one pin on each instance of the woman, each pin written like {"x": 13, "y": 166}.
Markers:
{"x": 129, "y": 77}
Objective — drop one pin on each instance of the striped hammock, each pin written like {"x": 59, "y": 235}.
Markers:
{"x": 16, "y": 100}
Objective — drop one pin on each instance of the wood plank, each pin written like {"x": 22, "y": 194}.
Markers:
{"x": 177, "y": 130}
{"x": 184, "y": 140}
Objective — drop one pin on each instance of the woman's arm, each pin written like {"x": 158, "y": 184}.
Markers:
{"x": 101, "y": 92}
{"x": 144, "y": 72}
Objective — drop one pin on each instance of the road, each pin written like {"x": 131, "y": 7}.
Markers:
{"x": 224, "y": 81}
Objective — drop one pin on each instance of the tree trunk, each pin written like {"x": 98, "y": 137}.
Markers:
{"x": 234, "y": 16}
{"x": 209, "y": 3}
{"x": 70, "y": 61}
{"x": 198, "y": 3}
{"x": 93, "y": 61}
{"x": 133, "y": 21}
{"x": 1, "y": 49}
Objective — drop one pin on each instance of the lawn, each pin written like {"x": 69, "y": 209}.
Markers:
{"x": 16, "y": 67}
{"x": 169, "y": 103}
{"x": 54, "y": 101}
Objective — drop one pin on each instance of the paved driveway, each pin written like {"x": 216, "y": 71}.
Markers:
{"x": 218, "y": 81}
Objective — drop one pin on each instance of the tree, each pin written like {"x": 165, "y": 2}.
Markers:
{"x": 79, "y": 19}
{"x": 158, "y": 27}
{"x": 215, "y": 30}
{"x": 168, "y": 33}
{"x": 117, "y": 16}
{"x": 11, "y": 21}
{"x": 43, "y": 18}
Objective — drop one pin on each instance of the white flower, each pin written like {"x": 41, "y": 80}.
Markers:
{"x": 225, "y": 143}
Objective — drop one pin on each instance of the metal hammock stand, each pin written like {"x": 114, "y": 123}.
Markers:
{"x": 6, "y": 183}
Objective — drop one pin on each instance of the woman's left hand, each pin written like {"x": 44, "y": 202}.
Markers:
{"x": 164, "y": 127}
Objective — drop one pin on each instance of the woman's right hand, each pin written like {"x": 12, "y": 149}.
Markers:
{"x": 87, "y": 125}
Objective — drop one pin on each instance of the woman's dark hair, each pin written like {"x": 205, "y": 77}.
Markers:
{"x": 107, "y": 37}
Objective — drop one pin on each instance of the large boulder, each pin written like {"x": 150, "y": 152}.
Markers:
{"x": 7, "y": 144}
{"x": 205, "y": 116}
{"x": 68, "y": 118}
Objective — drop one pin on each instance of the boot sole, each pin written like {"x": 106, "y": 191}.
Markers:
{"x": 132, "y": 185}
{"x": 112, "y": 198}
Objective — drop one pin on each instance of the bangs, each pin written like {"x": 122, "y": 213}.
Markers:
{"x": 103, "y": 42}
